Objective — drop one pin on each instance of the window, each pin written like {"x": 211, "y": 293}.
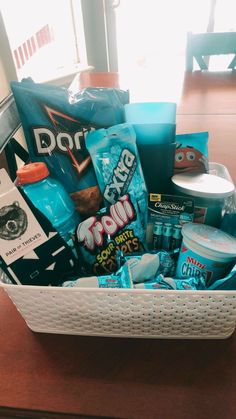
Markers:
{"x": 46, "y": 37}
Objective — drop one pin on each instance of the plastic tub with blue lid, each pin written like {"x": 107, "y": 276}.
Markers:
{"x": 205, "y": 252}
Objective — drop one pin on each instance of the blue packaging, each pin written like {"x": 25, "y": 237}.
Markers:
{"x": 116, "y": 228}
{"x": 55, "y": 128}
{"x": 228, "y": 283}
{"x": 191, "y": 154}
{"x": 228, "y": 224}
{"x": 146, "y": 266}
{"x": 143, "y": 267}
{"x": 117, "y": 166}
{"x": 167, "y": 262}
{"x": 121, "y": 279}
{"x": 162, "y": 282}
{"x": 172, "y": 209}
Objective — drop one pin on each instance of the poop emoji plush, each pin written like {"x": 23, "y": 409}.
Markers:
{"x": 13, "y": 221}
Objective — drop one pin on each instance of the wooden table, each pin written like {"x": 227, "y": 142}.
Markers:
{"x": 54, "y": 376}
{"x": 208, "y": 103}
{"x": 208, "y": 93}
{"x": 125, "y": 378}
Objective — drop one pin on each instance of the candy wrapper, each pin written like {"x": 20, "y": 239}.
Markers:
{"x": 191, "y": 154}
{"x": 161, "y": 282}
{"x": 55, "y": 126}
{"x": 121, "y": 279}
{"x": 147, "y": 266}
{"x": 228, "y": 224}
{"x": 227, "y": 283}
{"x": 117, "y": 166}
{"x": 114, "y": 229}
{"x": 143, "y": 267}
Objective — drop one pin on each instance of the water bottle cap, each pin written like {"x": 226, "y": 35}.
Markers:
{"x": 32, "y": 172}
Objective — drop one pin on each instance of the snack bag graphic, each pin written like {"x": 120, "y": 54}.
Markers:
{"x": 191, "y": 153}
{"x": 55, "y": 127}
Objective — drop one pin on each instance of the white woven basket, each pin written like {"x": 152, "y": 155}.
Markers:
{"x": 128, "y": 312}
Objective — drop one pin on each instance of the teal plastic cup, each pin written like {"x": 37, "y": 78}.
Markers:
{"x": 157, "y": 162}
{"x": 153, "y": 122}
{"x": 150, "y": 113}
{"x": 155, "y": 125}
{"x": 155, "y": 133}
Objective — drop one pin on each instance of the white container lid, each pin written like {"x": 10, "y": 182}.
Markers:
{"x": 203, "y": 185}
{"x": 210, "y": 238}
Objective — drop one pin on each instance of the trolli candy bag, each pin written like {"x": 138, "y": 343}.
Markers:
{"x": 116, "y": 228}
{"x": 55, "y": 126}
{"x": 122, "y": 223}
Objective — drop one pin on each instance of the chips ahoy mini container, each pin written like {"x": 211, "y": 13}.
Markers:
{"x": 206, "y": 252}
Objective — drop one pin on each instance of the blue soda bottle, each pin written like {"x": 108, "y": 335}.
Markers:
{"x": 49, "y": 196}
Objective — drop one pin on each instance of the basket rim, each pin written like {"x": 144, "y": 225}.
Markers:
{"x": 57, "y": 289}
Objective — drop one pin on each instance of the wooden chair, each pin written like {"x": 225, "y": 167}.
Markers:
{"x": 203, "y": 45}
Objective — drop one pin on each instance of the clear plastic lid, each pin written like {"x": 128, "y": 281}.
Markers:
{"x": 203, "y": 185}
{"x": 210, "y": 238}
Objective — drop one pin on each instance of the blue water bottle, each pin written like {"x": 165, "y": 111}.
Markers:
{"x": 49, "y": 196}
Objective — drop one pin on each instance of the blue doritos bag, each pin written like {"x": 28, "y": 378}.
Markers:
{"x": 55, "y": 125}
